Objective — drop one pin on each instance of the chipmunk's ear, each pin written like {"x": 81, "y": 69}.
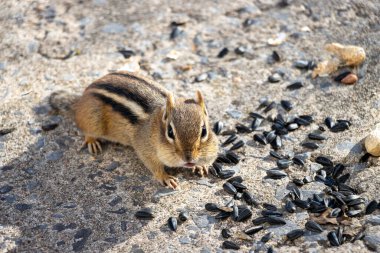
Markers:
{"x": 201, "y": 101}
{"x": 169, "y": 106}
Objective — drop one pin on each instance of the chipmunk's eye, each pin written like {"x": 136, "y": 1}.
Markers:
{"x": 170, "y": 132}
{"x": 204, "y": 131}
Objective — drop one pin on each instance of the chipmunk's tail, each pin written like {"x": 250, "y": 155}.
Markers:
{"x": 62, "y": 101}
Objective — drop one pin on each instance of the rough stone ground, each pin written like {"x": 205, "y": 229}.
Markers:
{"x": 62, "y": 200}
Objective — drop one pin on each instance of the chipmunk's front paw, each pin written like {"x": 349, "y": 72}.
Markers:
{"x": 201, "y": 169}
{"x": 169, "y": 181}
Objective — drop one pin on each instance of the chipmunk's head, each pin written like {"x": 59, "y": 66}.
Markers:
{"x": 186, "y": 137}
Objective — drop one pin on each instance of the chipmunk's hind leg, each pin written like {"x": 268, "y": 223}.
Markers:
{"x": 93, "y": 145}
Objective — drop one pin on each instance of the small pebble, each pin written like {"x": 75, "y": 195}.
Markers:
{"x": 275, "y": 78}
{"x": 372, "y": 142}
{"x": 201, "y": 77}
{"x": 350, "y": 79}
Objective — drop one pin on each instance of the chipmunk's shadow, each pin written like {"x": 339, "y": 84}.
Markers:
{"x": 56, "y": 198}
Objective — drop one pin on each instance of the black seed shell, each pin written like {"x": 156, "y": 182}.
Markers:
{"x": 230, "y": 245}
{"x": 224, "y": 174}
{"x": 237, "y": 145}
{"x": 371, "y": 207}
{"x": 184, "y": 216}
{"x": 226, "y": 233}
{"x": 294, "y": 234}
{"x": 253, "y": 230}
{"x": 229, "y": 188}
{"x": 172, "y": 223}
{"x": 313, "y": 227}
{"x": 324, "y": 161}
{"x": 290, "y": 207}
{"x": 310, "y": 145}
{"x": 276, "y": 174}
{"x": 260, "y": 138}
{"x": 218, "y": 126}
{"x": 212, "y": 207}
{"x": 229, "y": 140}
{"x": 144, "y": 214}
{"x": 244, "y": 214}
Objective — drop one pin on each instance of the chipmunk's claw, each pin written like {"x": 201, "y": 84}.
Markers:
{"x": 93, "y": 146}
{"x": 201, "y": 169}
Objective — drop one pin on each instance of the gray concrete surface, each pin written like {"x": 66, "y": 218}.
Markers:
{"x": 60, "y": 200}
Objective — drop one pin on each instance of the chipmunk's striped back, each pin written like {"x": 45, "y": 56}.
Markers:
{"x": 133, "y": 97}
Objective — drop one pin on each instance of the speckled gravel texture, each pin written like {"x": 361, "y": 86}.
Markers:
{"x": 55, "y": 198}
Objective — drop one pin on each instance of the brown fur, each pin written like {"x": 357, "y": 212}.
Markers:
{"x": 148, "y": 135}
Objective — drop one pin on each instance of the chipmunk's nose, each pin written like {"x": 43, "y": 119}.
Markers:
{"x": 188, "y": 156}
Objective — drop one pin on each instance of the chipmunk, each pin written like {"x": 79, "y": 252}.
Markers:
{"x": 129, "y": 109}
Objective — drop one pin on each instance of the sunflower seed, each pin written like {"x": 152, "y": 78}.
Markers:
{"x": 226, "y": 233}
{"x": 335, "y": 212}
{"x": 237, "y": 179}
{"x": 317, "y": 137}
{"x": 301, "y": 203}
{"x": 298, "y": 161}
{"x": 295, "y": 86}
{"x": 292, "y": 126}
{"x": 343, "y": 179}
{"x": 324, "y": 161}
{"x": 271, "y": 106}
{"x": 184, "y": 216}
{"x": 270, "y": 137}
{"x": 237, "y": 145}
{"x": 218, "y": 126}
{"x": 249, "y": 199}
{"x": 275, "y": 220}
{"x": 298, "y": 182}
{"x": 340, "y": 127}
{"x": 284, "y": 163}
{"x": 301, "y": 64}
{"x": 297, "y": 193}
{"x": 253, "y": 230}
{"x": 277, "y": 143}
{"x": 229, "y": 140}
{"x": 244, "y": 214}
{"x": 172, "y": 223}
{"x": 338, "y": 169}
{"x": 256, "y": 115}
{"x": 229, "y": 188}
{"x": 259, "y": 221}
{"x": 224, "y": 174}
{"x": 294, "y": 234}
{"x": 270, "y": 213}
{"x": 276, "y": 174}
{"x": 270, "y": 207}
{"x": 260, "y": 139}
{"x": 333, "y": 239}
{"x": 240, "y": 50}
{"x": 266, "y": 237}
{"x": 276, "y": 155}
{"x": 354, "y": 213}
{"x": 307, "y": 179}
{"x": 234, "y": 158}
{"x": 230, "y": 245}
{"x": 301, "y": 121}
{"x": 287, "y": 105}
{"x": 310, "y": 145}
{"x": 222, "y": 215}
{"x": 144, "y": 214}
{"x": 256, "y": 123}
{"x": 290, "y": 207}
{"x": 239, "y": 186}
{"x": 222, "y": 158}
{"x": 212, "y": 207}
{"x": 329, "y": 122}
{"x": 223, "y": 52}
{"x": 235, "y": 212}
{"x": 242, "y": 128}
{"x": 313, "y": 227}
{"x": 218, "y": 167}
{"x": 371, "y": 207}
